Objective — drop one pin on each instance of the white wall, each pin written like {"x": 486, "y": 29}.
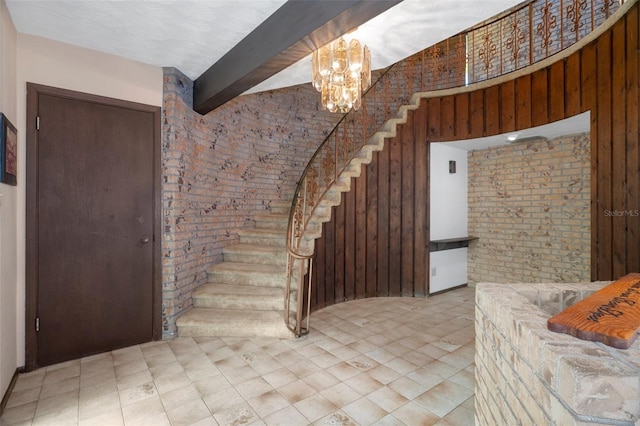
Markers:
{"x": 448, "y": 211}
{"x": 56, "y": 64}
{"x": 448, "y": 203}
{"x": 9, "y": 286}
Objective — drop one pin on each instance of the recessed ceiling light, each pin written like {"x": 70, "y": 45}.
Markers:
{"x": 512, "y": 138}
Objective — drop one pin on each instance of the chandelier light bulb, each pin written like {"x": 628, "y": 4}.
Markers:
{"x": 341, "y": 70}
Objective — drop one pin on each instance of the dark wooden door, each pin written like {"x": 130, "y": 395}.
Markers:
{"x": 95, "y": 227}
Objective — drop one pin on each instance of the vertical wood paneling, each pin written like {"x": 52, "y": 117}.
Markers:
{"x": 492, "y": 110}
{"x": 477, "y": 115}
{"x": 539, "y": 105}
{"x": 372, "y": 226}
{"x": 420, "y": 208}
{"x": 572, "y": 86}
{"x": 329, "y": 256}
{"x": 508, "y": 106}
{"x": 433, "y": 118}
{"x": 618, "y": 150}
{"x": 589, "y": 103}
{"x": 383, "y": 221}
{"x": 462, "y": 116}
{"x": 318, "y": 281}
{"x": 387, "y": 209}
{"x": 395, "y": 212}
{"x": 556, "y": 91}
{"x": 361, "y": 234}
{"x": 350, "y": 244}
{"x": 523, "y": 102}
{"x": 633, "y": 154}
{"x": 603, "y": 87}
{"x": 447, "y": 118}
{"x": 407, "y": 168}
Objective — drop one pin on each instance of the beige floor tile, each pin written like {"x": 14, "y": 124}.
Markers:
{"x": 315, "y": 407}
{"x": 61, "y": 386}
{"x": 188, "y": 413}
{"x": 240, "y": 414}
{"x": 108, "y": 418}
{"x": 180, "y": 396}
{"x": 96, "y": 404}
{"x": 253, "y": 387}
{"x": 23, "y": 397}
{"x": 341, "y": 395}
{"x": 223, "y": 400}
{"x": 268, "y": 403}
{"x": 320, "y": 380}
{"x": 63, "y": 416}
{"x": 144, "y": 409}
{"x": 387, "y": 399}
{"x": 240, "y": 374}
{"x": 337, "y": 418}
{"x": 296, "y": 391}
{"x": 407, "y": 387}
{"x": 383, "y": 374}
{"x": 364, "y": 384}
{"x": 212, "y": 385}
{"x": 362, "y": 364}
{"x": 60, "y": 402}
{"x": 19, "y": 413}
{"x": 287, "y": 416}
{"x": 280, "y": 377}
{"x": 364, "y": 412}
{"x": 134, "y": 394}
{"x": 414, "y": 414}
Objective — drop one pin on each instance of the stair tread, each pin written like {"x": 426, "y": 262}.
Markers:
{"x": 243, "y": 247}
{"x": 247, "y": 268}
{"x": 235, "y": 289}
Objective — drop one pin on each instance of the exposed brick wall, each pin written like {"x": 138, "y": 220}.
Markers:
{"x": 529, "y": 204}
{"x": 528, "y": 375}
{"x": 220, "y": 168}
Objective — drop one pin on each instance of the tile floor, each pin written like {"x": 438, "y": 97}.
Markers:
{"x": 384, "y": 361}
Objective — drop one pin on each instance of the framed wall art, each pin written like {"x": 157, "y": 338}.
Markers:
{"x": 8, "y": 151}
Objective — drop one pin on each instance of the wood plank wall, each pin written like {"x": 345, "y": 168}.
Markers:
{"x": 378, "y": 239}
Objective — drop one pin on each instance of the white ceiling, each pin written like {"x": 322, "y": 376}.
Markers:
{"x": 192, "y": 35}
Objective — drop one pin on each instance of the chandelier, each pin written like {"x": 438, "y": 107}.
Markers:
{"x": 341, "y": 72}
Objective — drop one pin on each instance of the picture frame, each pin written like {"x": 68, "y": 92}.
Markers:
{"x": 8, "y": 151}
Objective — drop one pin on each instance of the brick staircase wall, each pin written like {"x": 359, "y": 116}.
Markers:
{"x": 220, "y": 169}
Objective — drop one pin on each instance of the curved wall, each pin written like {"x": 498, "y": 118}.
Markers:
{"x": 601, "y": 77}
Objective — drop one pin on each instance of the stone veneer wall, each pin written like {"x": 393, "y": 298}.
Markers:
{"x": 528, "y": 375}
{"x": 529, "y": 204}
{"x": 219, "y": 169}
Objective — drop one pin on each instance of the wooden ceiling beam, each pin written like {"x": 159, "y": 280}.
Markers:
{"x": 295, "y": 30}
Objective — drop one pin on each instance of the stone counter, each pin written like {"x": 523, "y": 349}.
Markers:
{"x": 526, "y": 374}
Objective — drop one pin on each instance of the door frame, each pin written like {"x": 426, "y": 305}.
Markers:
{"x": 33, "y": 92}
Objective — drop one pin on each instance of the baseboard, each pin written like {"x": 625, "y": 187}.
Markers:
{"x": 12, "y": 384}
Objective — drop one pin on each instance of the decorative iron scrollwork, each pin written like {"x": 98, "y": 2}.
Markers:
{"x": 544, "y": 28}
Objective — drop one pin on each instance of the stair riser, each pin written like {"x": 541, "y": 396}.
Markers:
{"x": 248, "y": 279}
{"x": 238, "y": 302}
{"x": 264, "y": 241}
{"x": 281, "y": 226}
{"x": 224, "y": 330}
{"x": 259, "y": 258}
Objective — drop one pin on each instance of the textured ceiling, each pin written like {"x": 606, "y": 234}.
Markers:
{"x": 191, "y": 35}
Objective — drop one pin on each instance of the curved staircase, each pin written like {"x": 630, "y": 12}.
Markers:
{"x": 245, "y": 294}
